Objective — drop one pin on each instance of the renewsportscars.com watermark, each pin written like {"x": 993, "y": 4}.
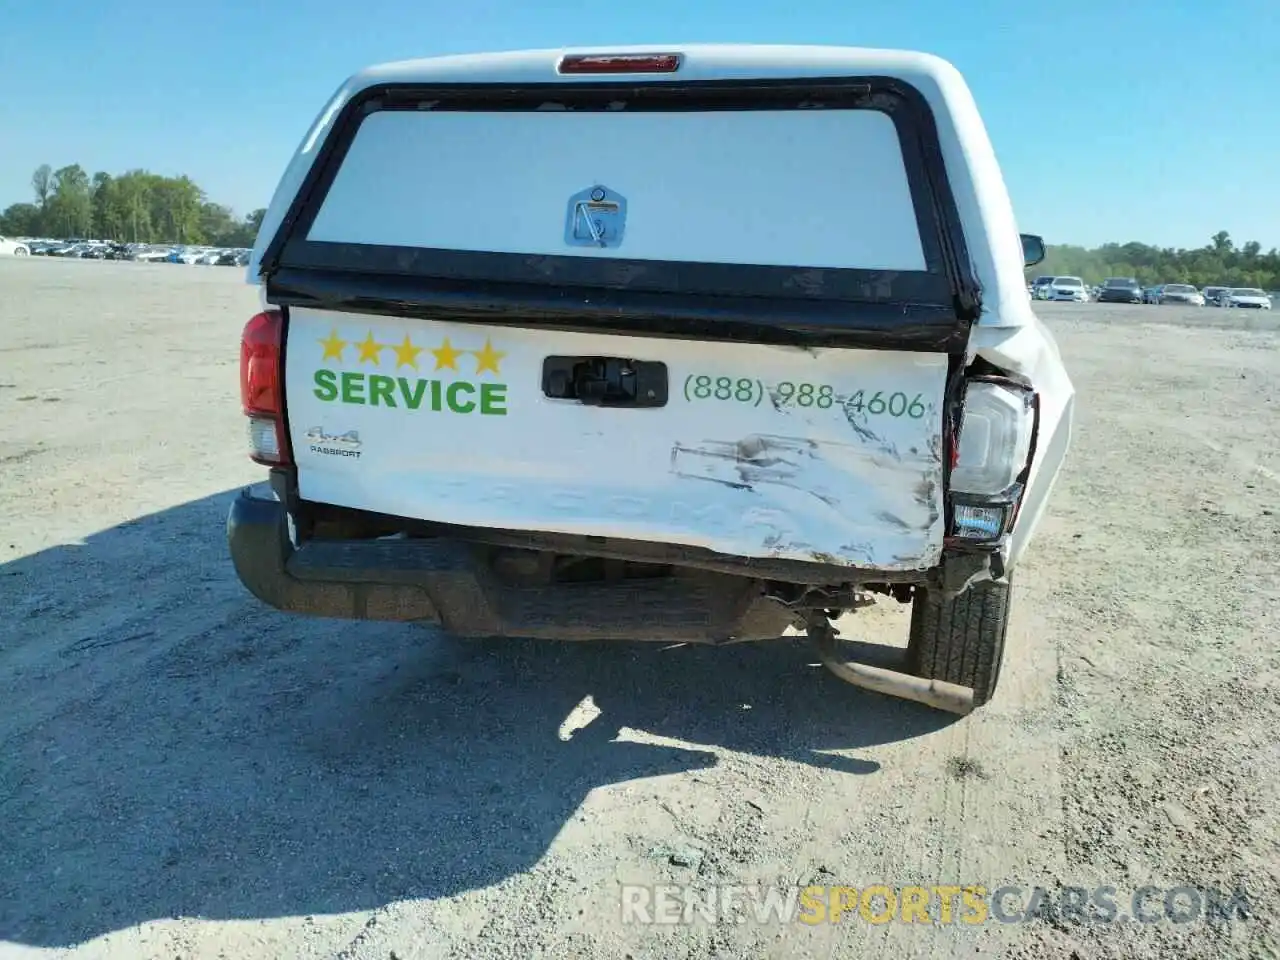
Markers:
{"x": 968, "y": 904}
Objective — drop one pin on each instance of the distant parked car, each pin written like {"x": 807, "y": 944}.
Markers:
{"x": 72, "y": 251}
{"x": 1180, "y": 293}
{"x": 1120, "y": 290}
{"x": 1250, "y": 298}
{"x": 1040, "y": 288}
{"x": 12, "y": 248}
{"x": 1068, "y": 288}
{"x": 1211, "y": 295}
{"x": 183, "y": 255}
{"x": 147, "y": 254}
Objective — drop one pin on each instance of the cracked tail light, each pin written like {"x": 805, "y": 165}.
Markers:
{"x": 979, "y": 522}
{"x": 262, "y": 388}
{"x": 991, "y": 458}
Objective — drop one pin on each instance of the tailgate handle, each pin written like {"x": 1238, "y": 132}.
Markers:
{"x": 605, "y": 381}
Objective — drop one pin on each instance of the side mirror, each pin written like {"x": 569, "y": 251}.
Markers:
{"x": 1032, "y": 249}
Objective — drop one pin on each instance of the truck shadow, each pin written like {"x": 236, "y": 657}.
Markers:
{"x": 173, "y": 748}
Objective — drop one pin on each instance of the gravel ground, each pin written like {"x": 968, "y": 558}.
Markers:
{"x": 185, "y": 773}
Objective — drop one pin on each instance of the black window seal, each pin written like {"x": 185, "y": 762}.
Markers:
{"x": 784, "y": 322}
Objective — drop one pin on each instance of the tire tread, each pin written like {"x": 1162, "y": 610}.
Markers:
{"x": 960, "y": 639}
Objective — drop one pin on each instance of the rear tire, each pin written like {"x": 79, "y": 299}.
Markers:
{"x": 961, "y": 640}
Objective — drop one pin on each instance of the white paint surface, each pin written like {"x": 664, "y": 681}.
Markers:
{"x": 807, "y": 188}
{"x": 740, "y": 478}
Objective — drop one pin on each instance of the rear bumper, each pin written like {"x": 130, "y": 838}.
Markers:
{"x": 442, "y": 581}
{"x": 449, "y": 581}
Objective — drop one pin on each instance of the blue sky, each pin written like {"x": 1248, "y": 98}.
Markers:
{"x": 1152, "y": 120}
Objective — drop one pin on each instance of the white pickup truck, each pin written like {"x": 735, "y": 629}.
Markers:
{"x": 698, "y": 344}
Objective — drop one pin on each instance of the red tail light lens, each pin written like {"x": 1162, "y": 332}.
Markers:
{"x": 262, "y": 388}
{"x": 621, "y": 63}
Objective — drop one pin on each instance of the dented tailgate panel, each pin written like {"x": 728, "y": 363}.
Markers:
{"x": 814, "y": 455}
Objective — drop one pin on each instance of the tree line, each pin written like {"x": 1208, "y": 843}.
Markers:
{"x": 1219, "y": 262}
{"x": 133, "y": 207}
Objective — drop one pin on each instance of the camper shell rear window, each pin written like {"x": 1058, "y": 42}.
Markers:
{"x": 820, "y": 191}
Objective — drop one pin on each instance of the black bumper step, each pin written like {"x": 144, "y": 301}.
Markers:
{"x": 446, "y": 581}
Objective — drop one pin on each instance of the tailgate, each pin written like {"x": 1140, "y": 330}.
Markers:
{"x": 829, "y": 455}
